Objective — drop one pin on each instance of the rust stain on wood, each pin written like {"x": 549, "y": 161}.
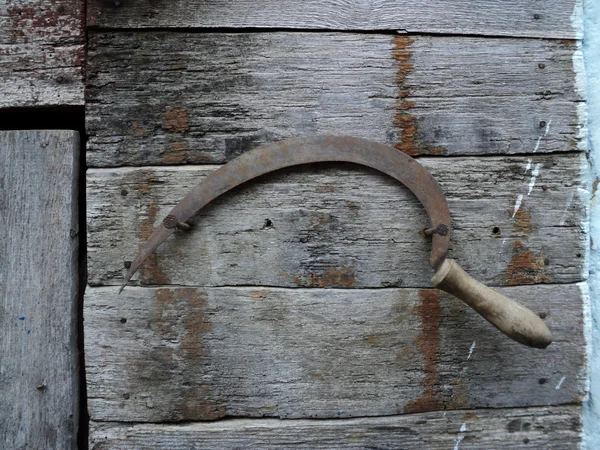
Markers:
{"x": 460, "y": 396}
{"x": 257, "y": 295}
{"x": 324, "y": 188}
{"x": 138, "y": 130}
{"x": 343, "y": 277}
{"x": 372, "y": 340}
{"x": 180, "y": 318}
{"x": 406, "y": 121}
{"x": 522, "y": 219}
{"x": 176, "y": 154}
{"x": 317, "y": 376}
{"x": 525, "y": 267}
{"x": 176, "y": 120}
{"x": 428, "y": 343}
{"x": 150, "y": 272}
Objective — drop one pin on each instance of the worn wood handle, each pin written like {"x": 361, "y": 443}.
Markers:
{"x": 510, "y": 317}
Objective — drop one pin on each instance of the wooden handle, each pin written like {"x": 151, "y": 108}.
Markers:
{"x": 510, "y": 317}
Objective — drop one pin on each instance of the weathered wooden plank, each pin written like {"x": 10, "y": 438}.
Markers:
{"x": 41, "y": 52}
{"x": 549, "y": 428}
{"x": 159, "y": 98}
{"x": 184, "y": 354}
{"x": 551, "y": 19}
{"x": 38, "y": 289}
{"x": 345, "y": 226}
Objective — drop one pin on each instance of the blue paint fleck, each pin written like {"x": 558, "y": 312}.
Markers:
{"x": 22, "y": 318}
{"x": 28, "y": 331}
{"x": 339, "y": 413}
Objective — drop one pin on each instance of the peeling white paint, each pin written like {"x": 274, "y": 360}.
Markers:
{"x": 463, "y": 427}
{"x": 562, "y": 380}
{"x": 587, "y": 79}
{"x": 517, "y": 205}
{"x": 528, "y": 166}
{"x": 472, "y": 349}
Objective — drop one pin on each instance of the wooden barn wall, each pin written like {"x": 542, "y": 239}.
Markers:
{"x": 42, "y": 51}
{"x": 306, "y": 294}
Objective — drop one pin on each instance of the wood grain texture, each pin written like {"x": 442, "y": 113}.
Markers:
{"x": 549, "y": 428}
{"x": 39, "y": 394}
{"x": 41, "y": 53}
{"x": 156, "y": 98}
{"x": 345, "y": 225}
{"x": 551, "y": 19}
{"x": 189, "y": 354}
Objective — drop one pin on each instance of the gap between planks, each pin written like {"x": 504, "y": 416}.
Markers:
{"x": 373, "y": 31}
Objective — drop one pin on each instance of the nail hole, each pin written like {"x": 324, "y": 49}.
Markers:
{"x": 127, "y": 264}
{"x": 123, "y": 320}
{"x": 124, "y": 192}
{"x": 267, "y": 225}
{"x": 545, "y": 187}
{"x": 546, "y": 261}
{"x": 126, "y": 396}
{"x": 543, "y": 315}
{"x": 496, "y": 230}
{"x": 542, "y": 124}
{"x": 578, "y": 255}
{"x": 537, "y": 16}
{"x": 542, "y": 381}
{"x": 526, "y": 441}
{"x": 542, "y": 65}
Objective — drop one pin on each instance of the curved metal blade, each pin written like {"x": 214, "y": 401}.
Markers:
{"x": 292, "y": 152}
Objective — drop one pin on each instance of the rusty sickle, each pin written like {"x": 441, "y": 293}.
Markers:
{"x": 510, "y": 317}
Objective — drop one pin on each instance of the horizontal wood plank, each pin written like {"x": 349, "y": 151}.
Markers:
{"x": 551, "y": 19}
{"x": 549, "y": 428}
{"x": 156, "y": 98}
{"x": 41, "y": 53}
{"x": 186, "y": 354}
{"x": 39, "y": 273}
{"x": 517, "y": 220}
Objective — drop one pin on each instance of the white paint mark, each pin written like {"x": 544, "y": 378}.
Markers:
{"x": 471, "y": 354}
{"x": 528, "y": 166}
{"x": 517, "y": 205}
{"x": 566, "y": 211}
{"x": 534, "y": 175}
{"x": 560, "y": 383}
{"x": 459, "y": 439}
{"x": 547, "y": 128}
{"x": 537, "y": 144}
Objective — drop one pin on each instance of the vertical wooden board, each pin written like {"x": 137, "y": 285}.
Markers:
{"x": 553, "y": 19}
{"x": 39, "y": 390}
{"x": 41, "y": 52}
{"x": 158, "y": 98}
